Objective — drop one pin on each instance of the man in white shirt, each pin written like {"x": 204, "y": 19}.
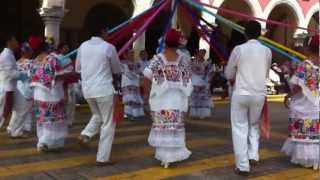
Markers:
{"x": 8, "y": 74}
{"x": 248, "y": 70}
{"x": 98, "y": 61}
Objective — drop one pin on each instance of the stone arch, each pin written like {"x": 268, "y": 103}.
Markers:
{"x": 73, "y": 28}
{"x": 312, "y": 12}
{"x": 294, "y": 5}
{"x": 253, "y": 4}
{"x": 286, "y": 13}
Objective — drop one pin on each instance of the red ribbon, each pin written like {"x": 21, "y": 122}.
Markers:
{"x": 235, "y": 13}
{"x": 265, "y": 126}
{"x": 143, "y": 28}
{"x": 201, "y": 32}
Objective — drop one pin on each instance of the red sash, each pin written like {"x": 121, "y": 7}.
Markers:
{"x": 265, "y": 125}
{"x": 118, "y": 109}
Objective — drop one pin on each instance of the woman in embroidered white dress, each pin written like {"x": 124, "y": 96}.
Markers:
{"x": 21, "y": 119}
{"x": 130, "y": 84}
{"x": 169, "y": 77}
{"x": 303, "y": 101}
{"x": 49, "y": 99}
{"x": 201, "y": 104}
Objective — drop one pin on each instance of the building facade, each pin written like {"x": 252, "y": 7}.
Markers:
{"x": 68, "y": 20}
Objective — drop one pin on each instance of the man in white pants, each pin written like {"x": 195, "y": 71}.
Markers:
{"x": 8, "y": 73}
{"x": 248, "y": 68}
{"x": 97, "y": 61}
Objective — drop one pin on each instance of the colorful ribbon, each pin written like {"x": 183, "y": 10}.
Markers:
{"x": 201, "y": 31}
{"x": 73, "y": 52}
{"x": 235, "y": 13}
{"x": 241, "y": 30}
{"x": 167, "y": 27}
{"x": 143, "y": 28}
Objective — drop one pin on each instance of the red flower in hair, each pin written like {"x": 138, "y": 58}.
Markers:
{"x": 173, "y": 37}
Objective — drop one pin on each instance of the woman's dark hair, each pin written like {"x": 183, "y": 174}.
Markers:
{"x": 44, "y": 47}
{"x": 253, "y": 29}
{"x": 5, "y": 37}
{"x": 61, "y": 45}
{"x": 97, "y": 29}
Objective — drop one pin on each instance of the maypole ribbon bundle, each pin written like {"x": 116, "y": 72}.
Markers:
{"x": 273, "y": 45}
{"x": 126, "y": 31}
{"x": 128, "y": 26}
{"x": 219, "y": 50}
{"x": 201, "y": 32}
{"x": 143, "y": 28}
{"x": 118, "y": 27}
{"x": 168, "y": 25}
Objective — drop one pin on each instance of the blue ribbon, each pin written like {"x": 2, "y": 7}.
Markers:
{"x": 116, "y": 28}
{"x": 167, "y": 27}
{"x": 230, "y": 25}
{"x": 195, "y": 17}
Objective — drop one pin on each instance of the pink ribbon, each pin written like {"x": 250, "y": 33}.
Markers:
{"x": 201, "y": 32}
{"x": 235, "y": 13}
{"x": 142, "y": 29}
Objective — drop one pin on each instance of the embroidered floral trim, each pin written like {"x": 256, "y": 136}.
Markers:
{"x": 44, "y": 74}
{"x": 48, "y": 111}
{"x": 310, "y": 75}
{"x": 173, "y": 73}
{"x": 168, "y": 120}
{"x": 304, "y": 128}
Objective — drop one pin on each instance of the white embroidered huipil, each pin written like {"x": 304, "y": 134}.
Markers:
{"x": 97, "y": 60}
{"x": 170, "y": 91}
{"x": 304, "y": 121}
{"x": 48, "y": 97}
{"x": 201, "y": 103}
{"x": 21, "y": 119}
{"x": 8, "y": 74}
{"x": 248, "y": 66}
{"x": 130, "y": 84}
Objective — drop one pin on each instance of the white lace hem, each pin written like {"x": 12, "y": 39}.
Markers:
{"x": 51, "y": 134}
{"x": 167, "y": 138}
{"x": 200, "y": 112}
{"x": 170, "y": 155}
{"x": 303, "y": 153}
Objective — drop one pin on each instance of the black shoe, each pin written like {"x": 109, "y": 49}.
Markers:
{"x": 241, "y": 173}
{"x": 253, "y": 162}
{"x": 101, "y": 164}
{"x": 84, "y": 141}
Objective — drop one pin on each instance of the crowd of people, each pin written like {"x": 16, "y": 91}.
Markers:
{"x": 172, "y": 85}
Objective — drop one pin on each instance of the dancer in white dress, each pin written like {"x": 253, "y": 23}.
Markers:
{"x": 21, "y": 119}
{"x": 47, "y": 81}
{"x": 201, "y": 103}
{"x": 303, "y": 101}
{"x": 130, "y": 84}
{"x": 169, "y": 77}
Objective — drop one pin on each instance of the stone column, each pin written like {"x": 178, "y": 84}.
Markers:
{"x": 52, "y": 17}
{"x": 141, "y": 6}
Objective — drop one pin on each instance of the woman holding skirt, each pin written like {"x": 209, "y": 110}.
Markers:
{"x": 21, "y": 120}
{"x": 201, "y": 103}
{"x": 130, "y": 85}
{"x": 49, "y": 100}
{"x": 304, "y": 125}
{"x": 169, "y": 78}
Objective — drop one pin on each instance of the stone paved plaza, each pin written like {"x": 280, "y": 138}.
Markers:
{"x": 209, "y": 140}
